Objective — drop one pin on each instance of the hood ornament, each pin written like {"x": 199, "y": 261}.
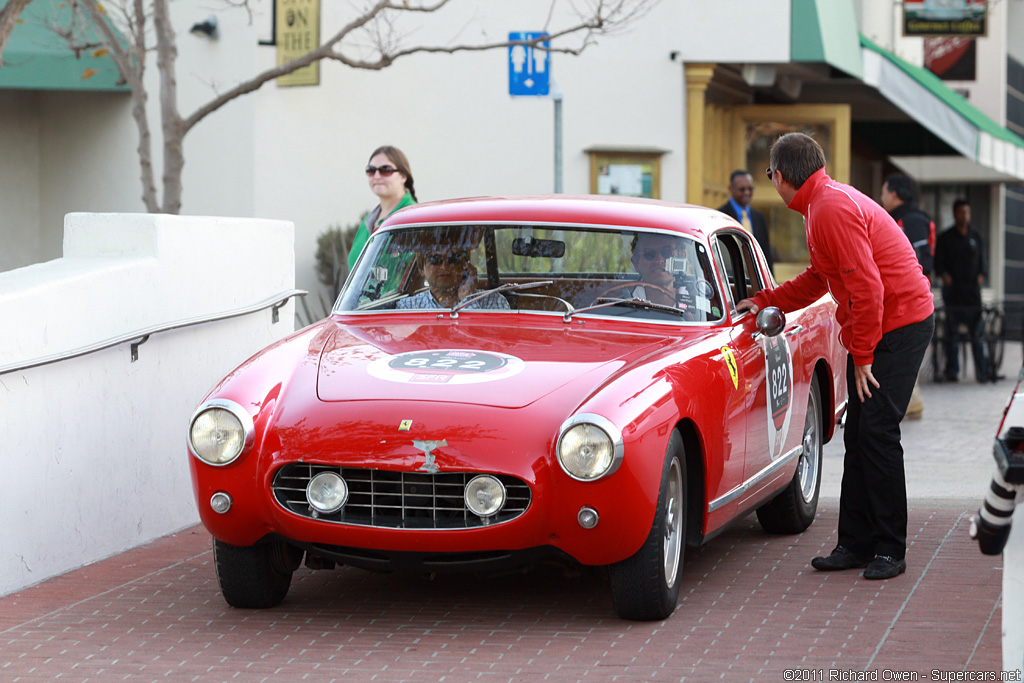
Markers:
{"x": 427, "y": 447}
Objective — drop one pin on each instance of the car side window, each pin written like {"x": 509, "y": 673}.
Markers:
{"x": 735, "y": 258}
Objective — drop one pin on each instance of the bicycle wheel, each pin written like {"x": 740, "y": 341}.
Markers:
{"x": 938, "y": 347}
{"x": 994, "y": 341}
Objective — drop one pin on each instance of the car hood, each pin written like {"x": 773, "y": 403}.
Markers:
{"x": 474, "y": 362}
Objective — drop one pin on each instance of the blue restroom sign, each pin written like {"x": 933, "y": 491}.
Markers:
{"x": 529, "y": 68}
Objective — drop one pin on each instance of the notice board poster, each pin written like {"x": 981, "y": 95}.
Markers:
{"x": 964, "y": 18}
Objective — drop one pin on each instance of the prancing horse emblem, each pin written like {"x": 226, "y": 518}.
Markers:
{"x": 427, "y": 447}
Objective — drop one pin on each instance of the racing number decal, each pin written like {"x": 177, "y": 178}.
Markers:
{"x": 730, "y": 362}
{"x": 448, "y": 361}
{"x": 779, "y": 370}
{"x": 446, "y": 366}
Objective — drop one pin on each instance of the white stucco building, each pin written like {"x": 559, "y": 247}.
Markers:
{"x": 687, "y": 70}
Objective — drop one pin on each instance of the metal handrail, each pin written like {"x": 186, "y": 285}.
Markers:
{"x": 140, "y": 337}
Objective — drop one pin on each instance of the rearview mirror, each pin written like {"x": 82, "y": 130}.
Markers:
{"x": 534, "y": 248}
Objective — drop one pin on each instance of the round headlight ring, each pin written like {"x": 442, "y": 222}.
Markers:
{"x": 589, "y": 447}
{"x": 485, "y": 496}
{"x": 327, "y": 492}
{"x": 220, "y": 431}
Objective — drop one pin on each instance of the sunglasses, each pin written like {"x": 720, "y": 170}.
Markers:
{"x": 384, "y": 171}
{"x": 770, "y": 173}
{"x": 666, "y": 252}
{"x": 455, "y": 258}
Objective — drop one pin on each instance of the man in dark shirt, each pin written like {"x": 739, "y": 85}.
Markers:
{"x": 960, "y": 264}
{"x": 741, "y": 191}
{"x": 899, "y": 198}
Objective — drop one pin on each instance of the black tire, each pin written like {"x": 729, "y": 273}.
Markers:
{"x": 794, "y": 508}
{"x": 645, "y": 586}
{"x": 257, "y": 576}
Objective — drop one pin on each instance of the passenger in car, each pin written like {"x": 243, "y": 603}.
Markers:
{"x": 451, "y": 278}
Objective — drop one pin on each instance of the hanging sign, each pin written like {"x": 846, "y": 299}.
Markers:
{"x": 298, "y": 33}
{"x": 945, "y": 17}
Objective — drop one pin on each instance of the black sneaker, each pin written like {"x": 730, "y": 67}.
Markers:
{"x": 884, "y": 567}
{"x": 841, "y": 558}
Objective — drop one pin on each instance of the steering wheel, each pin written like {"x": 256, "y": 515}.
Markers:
{"x": 630, "y": 285}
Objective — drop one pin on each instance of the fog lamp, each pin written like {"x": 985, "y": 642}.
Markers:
{"x": 327, "y": 492}
{"x": 587, "y": 518}
{"x": 485, "y": 495}
{"x": 220, "y": 502}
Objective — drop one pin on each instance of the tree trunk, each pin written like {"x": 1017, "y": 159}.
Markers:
{"x": 173, "y": 130}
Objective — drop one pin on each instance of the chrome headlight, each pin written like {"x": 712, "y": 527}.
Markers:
{"x": 485, "y": 495}
{"x": 589, "y": 447}
{"x": 220, "y": 431}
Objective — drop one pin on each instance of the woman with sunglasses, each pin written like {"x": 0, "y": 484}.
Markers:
{"x": 391, "y": 180}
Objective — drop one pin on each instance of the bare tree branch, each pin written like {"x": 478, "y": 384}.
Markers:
{"x": 8, "y": 18}
{"x": 378, "y": 20}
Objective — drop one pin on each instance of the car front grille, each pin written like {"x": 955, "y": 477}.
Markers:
{"x": 397, "y": 500}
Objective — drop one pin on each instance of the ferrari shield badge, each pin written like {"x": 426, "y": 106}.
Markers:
{"x": 730, "y": 362}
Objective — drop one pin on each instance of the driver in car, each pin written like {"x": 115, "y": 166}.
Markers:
{"x": 650, "y": 255}
{"x": 451, "y": 279}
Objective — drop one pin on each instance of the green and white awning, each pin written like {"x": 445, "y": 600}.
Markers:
{"x": 36, "y": 58}
{"x": 989, "y": 152}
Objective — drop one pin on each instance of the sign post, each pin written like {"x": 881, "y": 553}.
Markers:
{"x": 529, "y": 75}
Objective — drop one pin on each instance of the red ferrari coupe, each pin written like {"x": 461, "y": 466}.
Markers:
{"x": 504, "y": 380}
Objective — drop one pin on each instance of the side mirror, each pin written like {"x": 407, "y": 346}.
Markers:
{"x": 771, "y": 321}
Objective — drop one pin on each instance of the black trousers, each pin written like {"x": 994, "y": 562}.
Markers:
{"x": 971, "y": 317}
{"x": 873, "y": 499}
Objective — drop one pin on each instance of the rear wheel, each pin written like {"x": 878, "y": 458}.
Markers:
{"x": 255, "y": 576}
{"x": 793, "y": 510}
{"x": 645, "y": 586}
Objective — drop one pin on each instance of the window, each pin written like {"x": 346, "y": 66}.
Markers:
{"x": 735, "y": 257}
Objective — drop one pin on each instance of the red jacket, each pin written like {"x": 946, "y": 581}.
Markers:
{"x": 862, "y": 258}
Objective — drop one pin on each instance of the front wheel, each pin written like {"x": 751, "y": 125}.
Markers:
{"x": 257, "y": 576}
{"x": 793, "y": 510}
{"x": 645, "y": 586}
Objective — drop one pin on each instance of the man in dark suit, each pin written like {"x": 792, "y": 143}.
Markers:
{"x": 741, "y": 187}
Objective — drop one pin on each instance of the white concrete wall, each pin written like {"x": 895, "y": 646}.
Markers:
{"x": 94, "y": 450}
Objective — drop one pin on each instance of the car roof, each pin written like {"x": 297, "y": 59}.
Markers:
{"x": 628, "y": 212}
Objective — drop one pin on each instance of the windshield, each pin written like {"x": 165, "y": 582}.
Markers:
{"x": 549, "y": 269}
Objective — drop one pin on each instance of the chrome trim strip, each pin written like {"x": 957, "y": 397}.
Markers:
{"x": 140, "y": 336}
{"x": 756, "y": 479}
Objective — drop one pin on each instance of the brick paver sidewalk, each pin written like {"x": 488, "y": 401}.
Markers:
{"x": 751, "y": 609}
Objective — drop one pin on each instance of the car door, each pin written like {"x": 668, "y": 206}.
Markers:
{"x": 766, "y": 362}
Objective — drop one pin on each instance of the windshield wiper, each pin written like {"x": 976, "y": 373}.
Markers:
{"x": 508, "y": 287}
{"x": 639, "y": 303}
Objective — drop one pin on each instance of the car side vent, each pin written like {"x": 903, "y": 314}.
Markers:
{"x": 397, "y": 500}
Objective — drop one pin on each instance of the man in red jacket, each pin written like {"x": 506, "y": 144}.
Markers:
{"x": 862, "y": 258}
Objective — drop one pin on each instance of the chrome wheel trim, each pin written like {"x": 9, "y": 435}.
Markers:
{"x": 810, "y": 457}
{"x": 672, "y": 545}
